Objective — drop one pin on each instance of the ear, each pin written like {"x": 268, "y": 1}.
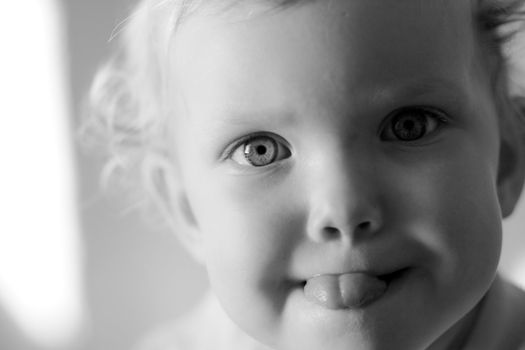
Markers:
{"x": 170, "y": 198}
{"x": 511, "y": 169}
{"x": 188, "y": 231}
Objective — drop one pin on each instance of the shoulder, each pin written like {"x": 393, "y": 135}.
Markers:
{"x": 206, "y": 327}
{"x": 515, "y": 323}
{"x": 184, "y": 333}
{"x": 172, "y": 336}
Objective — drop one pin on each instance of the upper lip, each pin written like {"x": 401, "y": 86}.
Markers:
{"x": 383, "y": 270}
{"x": 378, "y": 273}
{"x": 387, "y": 276}
{"x": 379, "y": 261}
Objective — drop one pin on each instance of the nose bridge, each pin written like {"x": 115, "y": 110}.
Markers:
{"x": 343, "y": 196}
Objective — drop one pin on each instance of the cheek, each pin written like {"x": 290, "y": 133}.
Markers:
{"x": 244, "y": 225}
{"x": 474, "y": 222}
{"x": 455, "y": 213}
{"x": 248, "y": 238}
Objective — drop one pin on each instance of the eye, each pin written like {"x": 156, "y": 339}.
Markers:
{"x": 412, "y": 124}
{"x": 259, "y": 151}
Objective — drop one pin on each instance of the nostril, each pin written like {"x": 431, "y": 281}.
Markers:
{"x": 364, "y": 226}
{"x": 331, "y": 232}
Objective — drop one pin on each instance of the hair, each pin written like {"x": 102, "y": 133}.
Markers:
{"x": 126, "y": 115}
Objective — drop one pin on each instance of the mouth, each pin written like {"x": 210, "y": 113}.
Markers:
{"x": 390, "y": 277}
{"x": 353, "y": 290}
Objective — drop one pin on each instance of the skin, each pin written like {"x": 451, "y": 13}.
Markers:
{"x": 324, "y": 80}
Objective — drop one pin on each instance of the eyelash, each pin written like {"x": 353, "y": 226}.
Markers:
{"x": 433, "y": 118}
{"x": 281, "y": 149}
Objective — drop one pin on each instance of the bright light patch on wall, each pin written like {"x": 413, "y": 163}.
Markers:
{"x": 40, "y": 283}
{"x": 513, "y": 261}
{"x": 517, "y": 273}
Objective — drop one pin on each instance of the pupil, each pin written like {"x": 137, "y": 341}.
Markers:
{"x": 260, "y": 150}
{"x": 409, "y": 128}
{"x": 409, "y": 125}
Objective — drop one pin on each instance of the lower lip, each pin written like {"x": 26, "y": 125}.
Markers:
{"x": 350, "y": 291}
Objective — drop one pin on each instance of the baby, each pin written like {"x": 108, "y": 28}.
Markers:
{"x": 340, "y": 167}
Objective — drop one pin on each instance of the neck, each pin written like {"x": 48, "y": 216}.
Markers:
{"x": 457, "y": 336}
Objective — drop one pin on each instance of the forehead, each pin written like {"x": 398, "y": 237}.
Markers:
{"x": 325, "y": 49}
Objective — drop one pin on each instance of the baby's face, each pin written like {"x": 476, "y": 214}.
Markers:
{"x": 340, "y": 163}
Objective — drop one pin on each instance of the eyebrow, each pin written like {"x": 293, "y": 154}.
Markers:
{"x": 447, "y": 90}
{"x": 284, "y": 118}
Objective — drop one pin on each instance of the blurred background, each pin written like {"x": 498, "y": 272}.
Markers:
{"x": 76, "y": 271}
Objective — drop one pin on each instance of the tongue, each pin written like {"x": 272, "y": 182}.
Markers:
{"x": 351, "y": 290}
{"x": 359, "y": 289}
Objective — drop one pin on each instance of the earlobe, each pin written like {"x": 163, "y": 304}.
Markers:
{"x": 171, "y": 200}
{"x": 511, "y": 169}
{"x": 188, "y": 232}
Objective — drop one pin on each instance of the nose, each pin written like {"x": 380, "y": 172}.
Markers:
{"x": 344, "y": 200}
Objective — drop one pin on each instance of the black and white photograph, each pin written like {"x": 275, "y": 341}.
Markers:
{"x": 262, "y": 175}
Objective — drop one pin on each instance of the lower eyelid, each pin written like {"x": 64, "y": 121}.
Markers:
{"x": 232, "y": 147}
{"x": 436, "y": 115}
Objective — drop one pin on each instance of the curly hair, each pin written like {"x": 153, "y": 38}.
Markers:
{"x": 126, "y": 116}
